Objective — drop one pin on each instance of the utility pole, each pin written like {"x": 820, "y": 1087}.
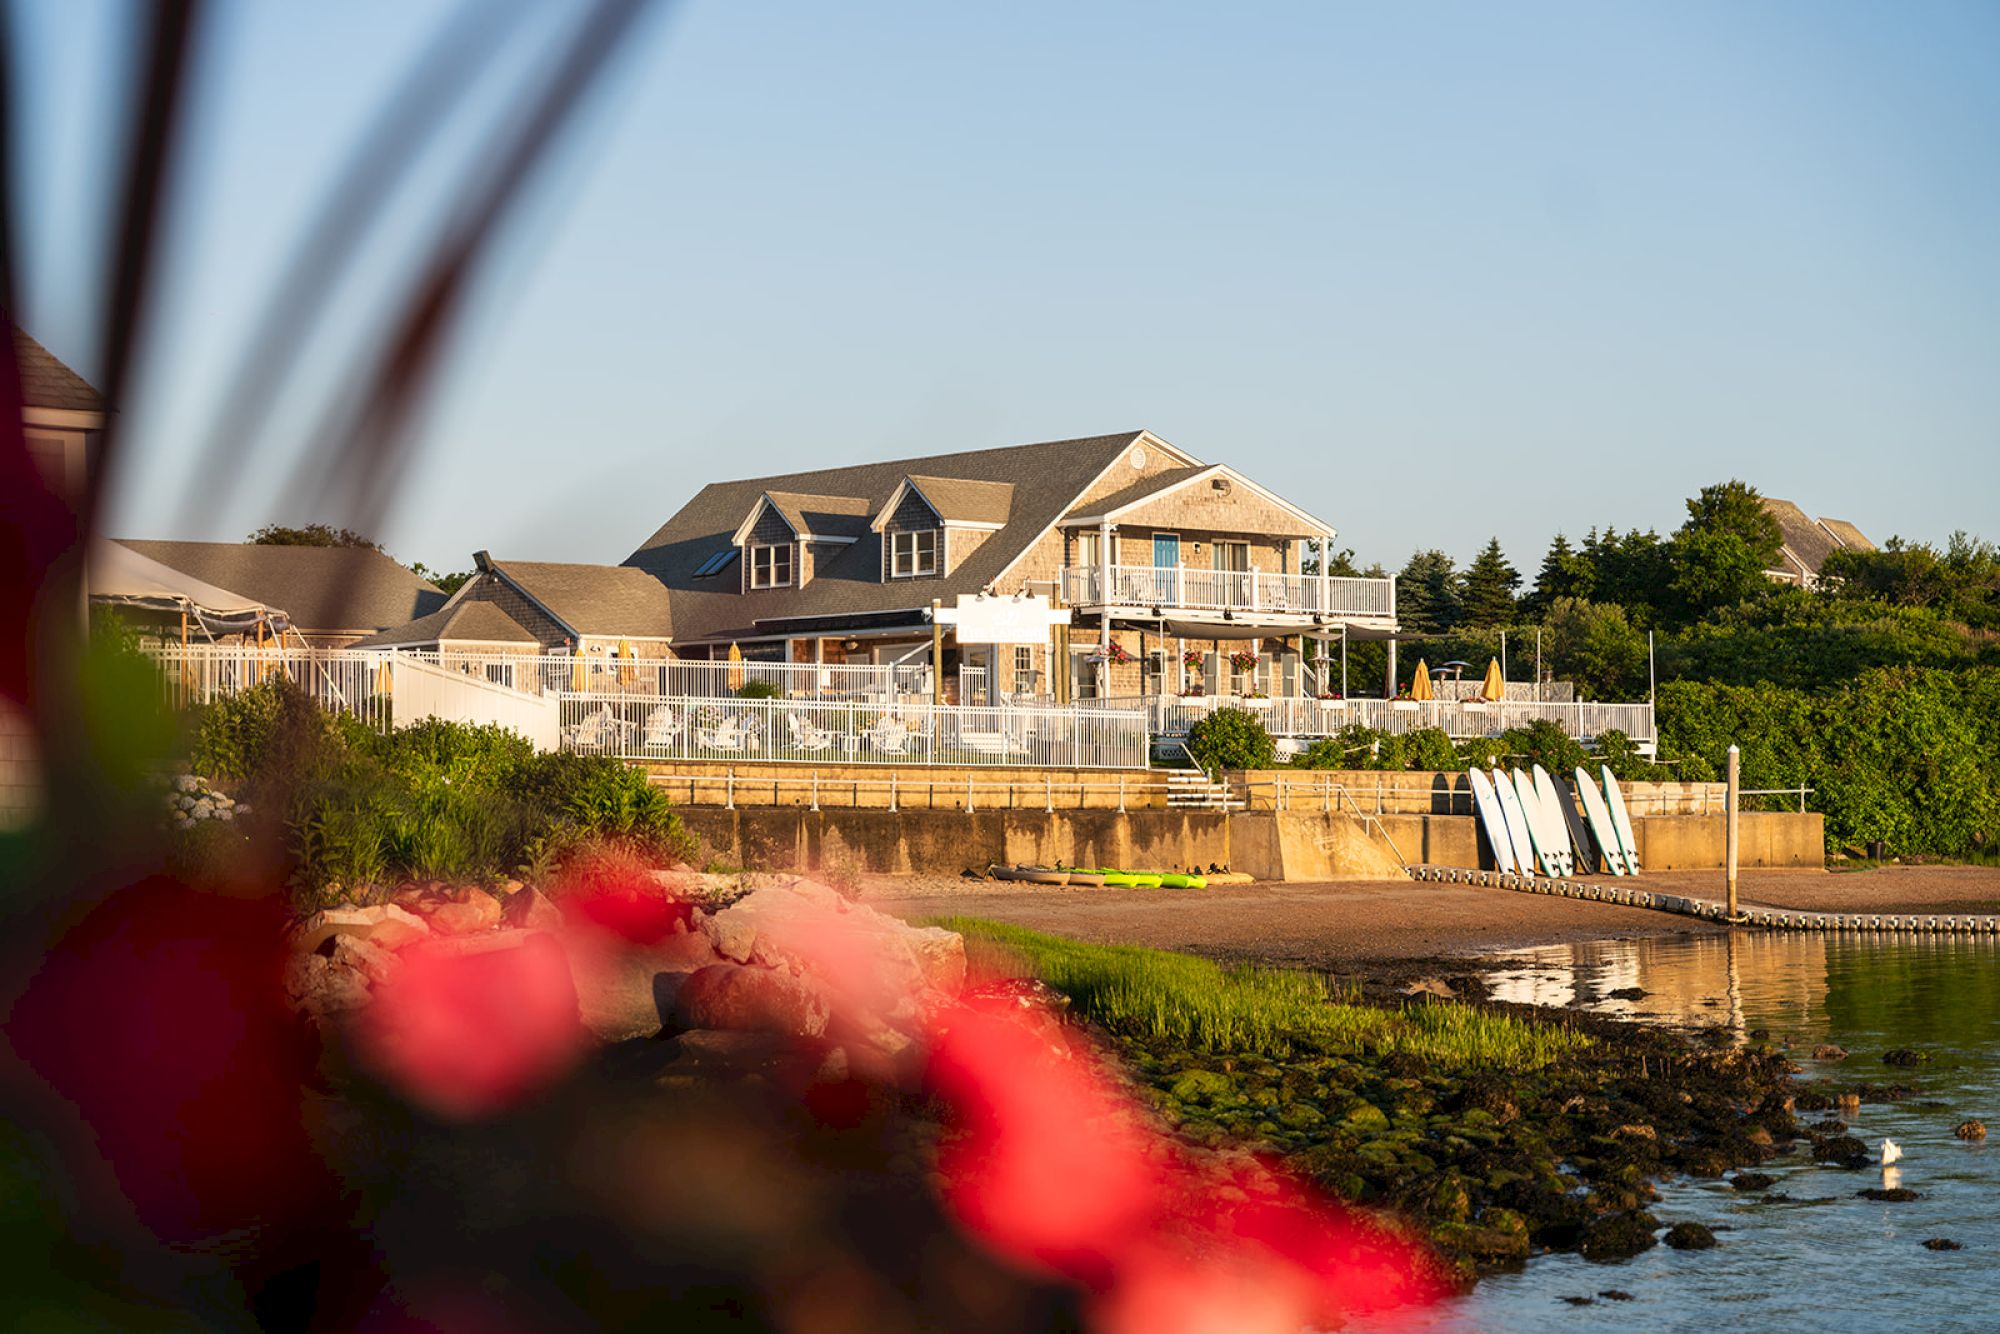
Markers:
{"x": 1729, "y": 835}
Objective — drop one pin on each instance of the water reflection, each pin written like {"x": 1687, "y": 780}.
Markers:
{"x": 1704, "y": 980}
{"x": 1811, "y": 1253}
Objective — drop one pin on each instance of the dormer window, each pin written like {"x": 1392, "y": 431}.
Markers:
{"x": 913, "y": 555}
{"x": 771, "y": 566}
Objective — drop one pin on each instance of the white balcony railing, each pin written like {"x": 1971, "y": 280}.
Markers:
{"x": 1178, "y": 588}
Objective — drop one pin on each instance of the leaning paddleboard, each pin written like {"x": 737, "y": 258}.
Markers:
{"x": 1518, "y": 833}
{"x": 1551, "y": 809}
{"x": 1619, "y": 819}
{"x": 1486, "y": 803}
{"x": 1538, "y": 827}
{"x": 1601, "y": 828}
{"x": 1587, "y": 860}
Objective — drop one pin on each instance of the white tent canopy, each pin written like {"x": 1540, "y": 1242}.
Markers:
{"x": 118, "y": 575}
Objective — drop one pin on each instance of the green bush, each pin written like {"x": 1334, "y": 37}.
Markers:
{"x": 760, "y": 690}
{"x": 1429, "y": 748}
{"x": 1231, "y": 739}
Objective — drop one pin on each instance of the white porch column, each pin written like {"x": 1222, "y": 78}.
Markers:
{"x": 1105, "y": 533}
{"x": 1326, "y": 574}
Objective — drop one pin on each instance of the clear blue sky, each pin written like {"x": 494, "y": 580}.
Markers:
{"x": 1436, "y": 272}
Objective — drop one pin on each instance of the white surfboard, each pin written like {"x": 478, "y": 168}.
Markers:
{"x": 1551, "y": 811}
{"x": 1538, "y": 827}
{"x": 1492, "y": 819}
{"x": 1518, "y": 828}
{"x": 1601, "y": 827}
{"x": 1615, "y": 799}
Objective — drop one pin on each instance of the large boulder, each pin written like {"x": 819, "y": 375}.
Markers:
{"x": 628, "y": 991}
{"x": 532, "y": 910}
{"x": 736, "y": 997}
{"x": 383, "y": 924}
{"x": 476, "y": 912}
{"x": 322, "y": 989}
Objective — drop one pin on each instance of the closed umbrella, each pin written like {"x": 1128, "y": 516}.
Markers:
{"x": 385, "y": 680}
{"x": 576, "y": 670}
{"x": 735, "y": 667}
{"x": 1495, "y": 685}
{"x": 625, "y": 658}
{"x": 1420, "y": 684}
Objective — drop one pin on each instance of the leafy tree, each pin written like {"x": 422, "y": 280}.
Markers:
{"x": 1429, "y": 594}
{"x": 312, "y": 535}
{"x": 1488, "y": 588}
{"x": 1595, "y": 645}
{"x": 1566, "y": 573}
{"x": 450, "y": 583}
{"x": 1721, "y": 553}
{"x": 1343, "y": 564}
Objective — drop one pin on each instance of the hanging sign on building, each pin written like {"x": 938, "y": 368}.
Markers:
{"x": 1002, "y": 619}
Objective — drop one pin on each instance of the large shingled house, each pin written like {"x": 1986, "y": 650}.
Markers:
{"x": 1808, "y": 542}
{"x": 1177, "y": 572}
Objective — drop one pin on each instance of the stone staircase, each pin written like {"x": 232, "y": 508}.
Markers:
{"x": 1193, "y": 790}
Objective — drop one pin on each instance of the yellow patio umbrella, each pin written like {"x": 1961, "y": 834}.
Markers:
{"x": 576, "y": 667}
{"x": 385, "y": 680}
{"x": 625, "y": 661}
{"x": 735, "y": 667}
{"x": 1496, "y": 685}
{"x": 1420, "y": 684}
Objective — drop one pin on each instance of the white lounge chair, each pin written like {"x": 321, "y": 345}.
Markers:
{"x": 601, "y": 730}
{"x": 888, "y": 737}
{"x": 725, "y": 735}
{"x": 663, "y": 727}
{"x": 805, "y": 736}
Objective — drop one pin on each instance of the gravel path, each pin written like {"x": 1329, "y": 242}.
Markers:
{"x": 1355, "y": 923}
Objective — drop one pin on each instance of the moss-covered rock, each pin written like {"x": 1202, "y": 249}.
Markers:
{"x": 1619, "y": 1236}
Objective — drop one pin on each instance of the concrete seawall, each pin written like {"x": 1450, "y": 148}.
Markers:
{"x": 1271, "y": 845}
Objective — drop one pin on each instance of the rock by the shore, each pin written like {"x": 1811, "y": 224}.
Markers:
{"x": 384, "y": 924}
{"x": 1751, "y": 1181}
{"x": 1970, "y": 1129}
{"x": 1943, "y": 1244}
{"x": 475, "y": 911}
{"x": 531, "y": 909}
{"x": 1889, "y": 1195}
{"x": 1905, "y": 1056}
{"x": 1690, "y": 1237}
{"x": 1841, "y": 1151}
{"x": 1619, "y": 1236}
{"x": 1828, "y": 1051}
{"x": 737, "y": 997}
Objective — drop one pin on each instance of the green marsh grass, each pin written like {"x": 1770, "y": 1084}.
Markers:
{"x": 1155, "y": 994}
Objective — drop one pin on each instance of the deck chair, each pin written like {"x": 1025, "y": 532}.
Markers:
{"x": 725, "y": 735}
{"x": 805, "y": 736}
{"x": 598, "y": 731}
{"x": 662, "y": 727}
{"x": 888, "y": 737}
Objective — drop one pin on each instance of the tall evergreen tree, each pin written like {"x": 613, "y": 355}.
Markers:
{"x": 1429, "y": 594}
{"x": 1489, "y": 585}
{"x": 1565, "y": 573}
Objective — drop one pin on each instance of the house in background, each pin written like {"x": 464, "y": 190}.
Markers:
{"x": 1161, "y": 559}
{"x": 330, "y": 597}
{"x": 537, "y": 607}
{"x": 1808, "y": 542}
{"x": 62, "y": 416}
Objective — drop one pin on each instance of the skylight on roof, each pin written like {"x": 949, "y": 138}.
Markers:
{"x": 716, "y": 564}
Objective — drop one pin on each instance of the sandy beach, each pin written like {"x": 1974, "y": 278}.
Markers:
{"x": 1358, "y": 923}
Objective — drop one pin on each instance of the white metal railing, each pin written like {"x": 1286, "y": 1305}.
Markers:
{"x": 654, "y": 727}
{"x": 1181, "y": 588}
{"x": 344, "y": 681}
{"x": 1172, "y": 715}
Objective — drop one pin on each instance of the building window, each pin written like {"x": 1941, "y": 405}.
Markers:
{"x": 716, "y": 564}
{"x": 771, "y": 567}
{"x": 913, "y": 555}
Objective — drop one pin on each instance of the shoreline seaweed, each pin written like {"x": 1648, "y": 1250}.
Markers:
{"x": 1498, "y": 1131}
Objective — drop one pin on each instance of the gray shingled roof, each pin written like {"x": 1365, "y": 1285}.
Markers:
{"x": 961, "y": 500}
{"x": 47, "y": 383}
{"x": 1846, "y": 534}
{"x": 596, "y": 599}
{"x": 477, "y": 622}
{"x": 1805, "y": 539}
{"x": 1153, "y": 485}
{"x": 1046, "y": 479}
{"x": 823, "y": 516}
{"x": 325, "y": 590}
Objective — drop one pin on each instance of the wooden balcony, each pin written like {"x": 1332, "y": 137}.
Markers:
{"x": 1176, "y": 589}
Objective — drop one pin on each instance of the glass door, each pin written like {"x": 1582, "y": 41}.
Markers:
{"x": 1232, "y": 567}
{"x": 1166, "y": 568}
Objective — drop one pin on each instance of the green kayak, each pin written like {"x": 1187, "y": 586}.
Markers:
{"x": 1175, "y": 880}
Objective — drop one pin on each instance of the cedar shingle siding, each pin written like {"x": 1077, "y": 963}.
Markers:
{"x": 913, "y": 515}
{"x": 488, "y": 587}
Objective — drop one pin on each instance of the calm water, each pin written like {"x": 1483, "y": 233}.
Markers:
{"x": 1824, "y": 1260}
